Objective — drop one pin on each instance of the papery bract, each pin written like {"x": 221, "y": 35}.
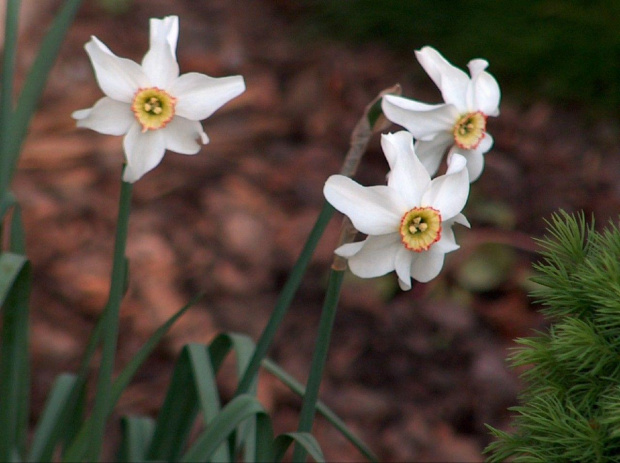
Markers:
{"x": 457, "y": 125}
{"x": 408, "y": 221}
{"x": 150, "y": 103}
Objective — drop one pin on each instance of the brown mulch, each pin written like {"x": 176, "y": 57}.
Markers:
{"x": 418, "y": 374}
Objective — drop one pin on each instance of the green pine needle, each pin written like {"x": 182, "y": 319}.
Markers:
{"x": 570, "y": 407}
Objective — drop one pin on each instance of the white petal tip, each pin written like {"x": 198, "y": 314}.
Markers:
{"x": 404, "y": 285}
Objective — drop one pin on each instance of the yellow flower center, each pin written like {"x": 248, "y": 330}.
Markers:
{"x": 420, "y": 228}
{"x": 153, "y": 108}
{"x": 469, "y": 130}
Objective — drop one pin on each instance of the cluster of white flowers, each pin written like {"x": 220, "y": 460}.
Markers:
{"x": 409, "y": 220}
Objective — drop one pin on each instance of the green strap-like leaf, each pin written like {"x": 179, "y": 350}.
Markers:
{"x": 303, "y": 439}
{"x": 264, "y": 438}
{"x": 51, "y": 425}
{"x": 33, "y": 87}
{"x": 7, "y": 80}
{"x": 319, "y": 358}
{"x": 230, "y": 417}
{"x": 296, "y": 387}
{"x": 17, "y": 243}
{"x": 285, "y": 299}
{"x": 137, "y": 433}
{"x": 79, "y": 439}
{"x": 14, "y": 363}
{"x": 177, "y": 414}
{"x": 6, "y": 203}
{"x": 206, "y": 389}
{"x": 124, "y": 378}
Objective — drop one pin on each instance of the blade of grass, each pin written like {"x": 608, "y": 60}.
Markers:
{"x": 327, "y": 413}
{"x": 15, "y": 278}
{"x": 319, "y": 358}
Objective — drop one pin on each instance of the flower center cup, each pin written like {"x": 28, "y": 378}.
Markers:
{"x": 420, "y": 228}
{"x": 153, "y": 108}
{"x": 469, "y": 130}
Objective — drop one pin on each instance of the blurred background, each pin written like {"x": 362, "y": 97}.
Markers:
{"x": 417, "y": 374}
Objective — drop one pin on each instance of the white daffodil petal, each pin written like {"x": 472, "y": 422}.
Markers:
{"x": 119, "y": 78}
{"x": 485, "y": 92}
{"x": 408, "y": 176}
{"x": 431, "y": 152}
{"x": 447, "y": 243}
{"x": 451, "y": 81}
{"x": 375, "y": 210}
{"x": 394, "y": 144}
{"x": 166, "y": 29}
{"x": 376, "y": 257}
{"x": 476, "y": 66}
{"x": 159, "y": 63}
{"x": 423, "y": 124}
{"x": 183, "y": 136}
{"x": 107, "y": 116}
{"x": 456, "y": 162}
{"x": 143, "y": 150}
{"x": 475, "y": 161}
{"x": 461, "y": 220}
{"x": 349, "y": 249}
{"x": 448, "y": 193}
{"x": 486, "y": 143}
{"x": 199, "y": 96}
{"x": 402, "y": 264}
{"x": 404, "y": 286}
{"x": 427, "y": 266}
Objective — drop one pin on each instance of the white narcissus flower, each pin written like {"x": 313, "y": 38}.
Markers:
{"x": 150, "y": 103}
{"x": 408, "y": 221}
{"x": 460, "y": 123}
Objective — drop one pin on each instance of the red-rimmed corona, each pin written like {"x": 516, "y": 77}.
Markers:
{"x": 420, "y": 228}
{"x": 469, "y": 130}
{"x": 153, "y": 108}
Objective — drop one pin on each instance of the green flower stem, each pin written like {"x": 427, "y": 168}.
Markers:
{"x": 110, "y": 328}
{"x": 319, "y": 358}
{"x": 370, "y": 122}
{"x": 285, "y": 299}
{"x": 6, "y": 89}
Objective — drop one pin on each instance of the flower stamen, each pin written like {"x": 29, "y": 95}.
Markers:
{"x": 469, "y": 130}
{"x": 153, "y": 108}
{"x": 420, "y": 228}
